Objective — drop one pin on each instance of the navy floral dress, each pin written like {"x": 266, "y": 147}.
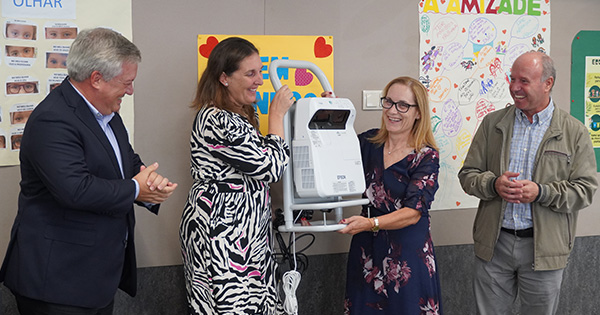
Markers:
{"x": 394, "y": 271}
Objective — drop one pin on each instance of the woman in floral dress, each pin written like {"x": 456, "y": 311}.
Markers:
{"x": 391, "y": 263}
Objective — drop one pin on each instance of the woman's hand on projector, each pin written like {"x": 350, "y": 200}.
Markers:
{"x": 327, "y": 94}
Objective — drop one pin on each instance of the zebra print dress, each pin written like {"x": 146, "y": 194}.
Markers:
{"x": 225, "y": 230}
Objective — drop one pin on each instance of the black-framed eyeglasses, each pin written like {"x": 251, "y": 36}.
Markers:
{"x": 14, "y": 88}
{"x": 401, "y": 106}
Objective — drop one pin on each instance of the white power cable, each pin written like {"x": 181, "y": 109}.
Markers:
{"x": 291, "y": 279}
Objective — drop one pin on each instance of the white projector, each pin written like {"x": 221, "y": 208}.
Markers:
{"x": 326, "y": 154}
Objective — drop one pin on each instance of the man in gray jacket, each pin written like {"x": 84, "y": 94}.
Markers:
{"x": 533, "y": 167}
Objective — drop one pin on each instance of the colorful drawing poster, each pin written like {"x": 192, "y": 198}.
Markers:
{"x": 592, "y": 98}
{"x": 467, "y": 48}
{"x": 35, "y": 41}
{"x": 316, "y": 49}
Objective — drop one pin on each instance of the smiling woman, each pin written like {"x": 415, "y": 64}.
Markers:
{"x": 229, "y": 203}
{"x": 391, "y": 241}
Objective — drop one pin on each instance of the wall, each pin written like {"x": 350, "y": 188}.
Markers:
{"x": 374, "y": 41}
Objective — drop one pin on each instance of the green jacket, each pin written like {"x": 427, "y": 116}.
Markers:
{"x": 565, "y": 169}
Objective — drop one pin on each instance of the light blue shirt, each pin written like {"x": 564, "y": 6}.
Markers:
{"x": 526, "y": 139}
{"x": 103, "y": 121}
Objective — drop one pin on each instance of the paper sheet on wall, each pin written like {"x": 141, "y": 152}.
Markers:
{"x": 35, "y": 42}
{"x": 592, "y": 98}
{"x": 467, "y": 48}
{"x": 316, "y": 49}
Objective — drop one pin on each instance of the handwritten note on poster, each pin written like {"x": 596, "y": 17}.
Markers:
{"x": 467, "y": 48}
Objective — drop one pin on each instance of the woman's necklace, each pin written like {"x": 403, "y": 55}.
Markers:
{"x": 390, "y": 151}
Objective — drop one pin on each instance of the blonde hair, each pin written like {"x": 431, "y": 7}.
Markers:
{"x": 422, "y": 132}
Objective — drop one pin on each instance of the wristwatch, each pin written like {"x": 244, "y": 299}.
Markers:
{"x": 375, "y": 227}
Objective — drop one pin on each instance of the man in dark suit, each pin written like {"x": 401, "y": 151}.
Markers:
{"x": 72, "y": 241}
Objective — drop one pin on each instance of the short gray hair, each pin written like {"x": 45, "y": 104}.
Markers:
{"x": 548, "y": 70}
{"x": 102, "y": 50}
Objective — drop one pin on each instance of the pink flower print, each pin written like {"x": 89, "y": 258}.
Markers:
{"x": 431, "y": 307}
{"x": 347, "y": 305}
{"x": 396, "y": 272}
{"x": 398, "y": 204}
{"x": 366, "y": 260}
{"x": 368, "y": 271}
{"x": 379, "y": 286}
{"x": 379, "y": 305}
{"x": 426, "y": 181}
{"x": 377, "y": 195}
{"x": 372, "y": 274}
{"x": 427, "y": 257}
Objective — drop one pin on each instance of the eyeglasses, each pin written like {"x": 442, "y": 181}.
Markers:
{"x": 401, "y": 106}
{"x": 14, "y": 88}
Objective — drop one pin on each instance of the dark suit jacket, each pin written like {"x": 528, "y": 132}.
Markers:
{"x": 72, "y": 239}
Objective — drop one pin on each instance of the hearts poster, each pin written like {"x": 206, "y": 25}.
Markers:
{"x": 467, "y": 48}
{"x": 316, "y": 49}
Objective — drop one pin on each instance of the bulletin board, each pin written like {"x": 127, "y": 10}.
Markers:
{"x": 316, "y": 49}
{"x": 35, "y": 41}
{"x": 585, "y": 84}
{"x": 467, "y": 48}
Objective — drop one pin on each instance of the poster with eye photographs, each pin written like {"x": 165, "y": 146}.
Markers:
{"x": 467, "y": 48}
{"x": 35, "y": 41}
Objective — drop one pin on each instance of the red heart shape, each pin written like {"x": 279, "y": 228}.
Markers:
{"x": 543, "y": 29}
{"x": 205, "y": 49}
{"x": 458, "y": 203}
{"x": 481, "y": 75}
{"x": 427, "y": 41}
{"x": 468, "y": 118}
{"x": 464, "y": 30}
{"x": 454, "y": 157}
{"x": 443, "y": 1}
{"x": 322, "y": 49}
{"x": 503, "y": 43}
{"x": 433, "y": 110}
{"x": 437, "y": 69}
{"x": 455, "y": 85}
{"x": 439, "y": 64}
{"x": 547, "y": 1}
{"x": 545, "y": 12}
{"x": 503, "y": 31}
{"x": 302, "y": 77}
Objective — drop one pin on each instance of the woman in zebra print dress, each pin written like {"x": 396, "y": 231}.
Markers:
{"x": 225, "y": 229}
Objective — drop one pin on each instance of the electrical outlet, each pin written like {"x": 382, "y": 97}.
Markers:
{"x": 371, "y": 99}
